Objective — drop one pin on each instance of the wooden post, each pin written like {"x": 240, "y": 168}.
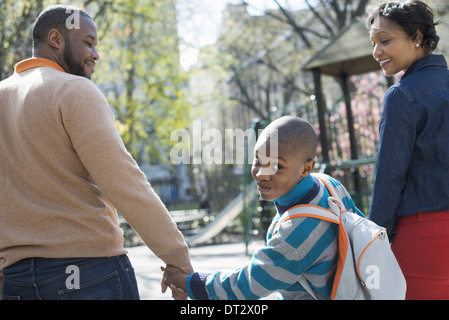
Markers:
{"x": 352, "y": 139}
{"x": 349, "y": 116}
{"x": 321, "y": 109}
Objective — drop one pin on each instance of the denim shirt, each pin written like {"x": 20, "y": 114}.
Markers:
{"x": 412, "y": 169}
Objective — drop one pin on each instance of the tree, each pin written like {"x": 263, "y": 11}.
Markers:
{"x": 274, "y": 46}
{"x": 139, "y": 69}
{"x": 144, "y": 83}
{"x": 16, "y": 18}
{"x": 264, "y": 58}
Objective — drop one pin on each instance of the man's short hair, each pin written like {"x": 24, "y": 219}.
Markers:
{"x": 53, "y": 17}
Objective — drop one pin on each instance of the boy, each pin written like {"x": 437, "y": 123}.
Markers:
{"x": 284, "y": 159}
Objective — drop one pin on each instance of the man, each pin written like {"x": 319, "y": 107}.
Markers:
{"x": 63, "y": 172}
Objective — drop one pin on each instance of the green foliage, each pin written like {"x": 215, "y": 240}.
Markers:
{"x": 138, "y": 70}
{"x": 16, "y": 18}
{"x": 140, "y": 74}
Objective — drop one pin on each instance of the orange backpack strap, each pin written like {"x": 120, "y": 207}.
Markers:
{"x": 333, "y": 214}
{"x": 307, "y": 211}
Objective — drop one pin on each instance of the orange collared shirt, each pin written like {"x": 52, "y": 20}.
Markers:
{"x": 31, "y": 63}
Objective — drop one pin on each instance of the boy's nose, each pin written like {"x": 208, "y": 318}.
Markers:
{"x": 265, "y": 173}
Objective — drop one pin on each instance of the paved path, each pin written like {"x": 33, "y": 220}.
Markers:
{"x": 206, "y": 258}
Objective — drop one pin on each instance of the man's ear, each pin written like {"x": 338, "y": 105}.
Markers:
{"x": 55, "y": 39}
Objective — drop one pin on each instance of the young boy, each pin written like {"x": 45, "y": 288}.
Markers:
{"x": 284, "y": 159}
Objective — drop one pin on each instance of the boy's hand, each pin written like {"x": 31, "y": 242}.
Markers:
{"x": 177, "y": 293}
{"x": 187, "y": 269}
{"x": 176, "y": 280}
{"x": 174, "y": 276}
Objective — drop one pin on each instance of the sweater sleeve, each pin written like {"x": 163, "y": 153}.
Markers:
{"x": 89, "y": 122}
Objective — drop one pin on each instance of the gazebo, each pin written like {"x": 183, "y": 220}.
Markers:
{"x": 350, "y": 53}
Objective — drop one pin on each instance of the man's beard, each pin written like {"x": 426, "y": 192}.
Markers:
{"x": 74, "y": 66}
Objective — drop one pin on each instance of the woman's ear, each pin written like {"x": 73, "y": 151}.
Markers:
{"x": 418, "y": 38}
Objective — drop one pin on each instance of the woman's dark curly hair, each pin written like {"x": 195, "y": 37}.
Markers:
{"x": 412, "y": 16}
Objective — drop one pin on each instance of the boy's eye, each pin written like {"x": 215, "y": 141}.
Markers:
{"x": 259, "y": 161}
{"x": 277, "y": 166}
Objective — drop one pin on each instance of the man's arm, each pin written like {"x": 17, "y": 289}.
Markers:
{"x": 90, "y": 125}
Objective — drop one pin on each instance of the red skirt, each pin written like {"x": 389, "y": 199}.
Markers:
{"x": 421, "y": 247}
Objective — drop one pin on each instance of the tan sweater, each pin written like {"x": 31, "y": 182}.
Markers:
{"x": 61, "y": 159}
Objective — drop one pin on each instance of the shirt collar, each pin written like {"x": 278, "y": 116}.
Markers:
{"x": 31, "y": 63}
{"x": 429, "y": 61}
{"x": 298, "y": 192}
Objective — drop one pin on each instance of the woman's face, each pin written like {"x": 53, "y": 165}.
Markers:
{"x": 393, "y": 48}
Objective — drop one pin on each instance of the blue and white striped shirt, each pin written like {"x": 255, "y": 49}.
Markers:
{"x": 300, "y": 246}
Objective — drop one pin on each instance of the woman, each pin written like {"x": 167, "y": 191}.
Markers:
{"x": 411, "y": 190}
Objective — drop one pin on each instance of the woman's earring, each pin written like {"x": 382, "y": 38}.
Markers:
{"x": 417, "y": 45}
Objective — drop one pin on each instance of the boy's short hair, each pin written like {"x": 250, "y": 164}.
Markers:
{"x": 296, "y": 132}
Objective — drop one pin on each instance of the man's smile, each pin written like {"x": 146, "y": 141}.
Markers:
{"x": 91, "y": 65}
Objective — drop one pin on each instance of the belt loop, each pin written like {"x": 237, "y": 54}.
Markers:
{"x": 420, "y": 217}
{"x": 32, "y": 264}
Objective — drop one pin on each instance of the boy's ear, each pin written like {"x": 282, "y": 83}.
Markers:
{"x": 308, "y": 167}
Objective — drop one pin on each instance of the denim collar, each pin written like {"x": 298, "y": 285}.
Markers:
{"x": 430, "y": 61}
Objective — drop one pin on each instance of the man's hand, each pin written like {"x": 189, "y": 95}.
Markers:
{"x": 187, "y": 269}
{"x": 176, "y": 279}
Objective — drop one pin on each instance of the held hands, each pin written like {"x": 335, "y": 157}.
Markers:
{"x": 176, "y": 279}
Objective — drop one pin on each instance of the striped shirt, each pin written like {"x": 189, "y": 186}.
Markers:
{"x": 299, "y": 247}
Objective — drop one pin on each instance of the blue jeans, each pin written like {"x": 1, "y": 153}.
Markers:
{"x": 71, "y": 279}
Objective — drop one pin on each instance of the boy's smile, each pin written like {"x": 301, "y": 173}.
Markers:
{"x": 277, "y": 174}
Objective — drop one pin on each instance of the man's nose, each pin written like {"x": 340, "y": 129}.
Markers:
{"x": 95, "y": 54}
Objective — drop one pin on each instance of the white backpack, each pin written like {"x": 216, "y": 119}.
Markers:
{"x": 367, "y": 268}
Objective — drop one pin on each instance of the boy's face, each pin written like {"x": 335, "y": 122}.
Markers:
{"x": 276, "y": 173}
